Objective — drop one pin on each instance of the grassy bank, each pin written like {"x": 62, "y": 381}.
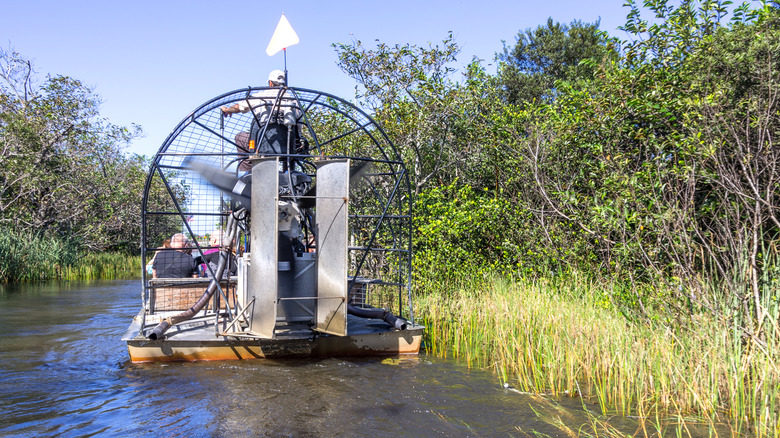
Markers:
{"x": 103, "y": 266}
{"x": 30, "y": 257}
{"x": 553, "y": 339}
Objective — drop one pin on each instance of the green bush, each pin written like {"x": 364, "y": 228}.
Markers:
{"x": 462, "y": 233}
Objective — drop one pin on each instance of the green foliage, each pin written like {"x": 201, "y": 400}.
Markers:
{"x": 461, "y": 234}
{"x": 104, "y": 265}
{"x": 27, "y": 256}
{"x": 62, "y": 170}
{"x": 676, "y": 30}
{"x": 529, "y": 70}
{"x": 438, "y": 124}
{"x": 389, "y": 74}
{"x": 626, "y": 172}
{"x": 655, "y": 165}
{"x": 465, "y": 234}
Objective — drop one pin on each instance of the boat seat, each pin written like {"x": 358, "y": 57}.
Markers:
{"x": 166, "y": 294}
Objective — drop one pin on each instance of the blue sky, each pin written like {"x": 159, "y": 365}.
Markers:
{"x": 153, "y": 62}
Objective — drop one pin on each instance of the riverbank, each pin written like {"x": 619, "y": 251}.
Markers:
{"x": 30, "y": 257}
{"x": 553, "y": 338}
{"x": 39, "y": 259}
{"x": 104, "y": 266}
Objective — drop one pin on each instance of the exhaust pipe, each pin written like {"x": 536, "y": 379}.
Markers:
{"x": 382, "y": 314}
{"x": 159, "y": 331}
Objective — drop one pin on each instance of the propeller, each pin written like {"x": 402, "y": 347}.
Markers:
{"x": 240, "y": 188}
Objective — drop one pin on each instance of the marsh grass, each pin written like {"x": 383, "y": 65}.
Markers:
{"x": 553, "y": 338}
{"x": 29, "y": 257}
{"x": 103, "y": 266}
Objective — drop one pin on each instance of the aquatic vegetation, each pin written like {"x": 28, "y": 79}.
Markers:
{"x": 107, "y": 265}
{"x": 26, "y": 256}
{"x": 30, "y": 257}
{"x": 553, "y": 337}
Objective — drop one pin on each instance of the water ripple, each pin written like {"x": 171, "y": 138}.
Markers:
{"x": 64, "y": 371}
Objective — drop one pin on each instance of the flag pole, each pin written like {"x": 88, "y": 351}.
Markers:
{"x": 283, "y": 36}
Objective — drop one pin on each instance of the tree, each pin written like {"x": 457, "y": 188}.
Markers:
{"x": 540, "y": 57}
{"x": 438, "y": 123}
{"x": 665, "y": 165}
{"x": 738, "y": 84}
{"x": 62, "y": 169}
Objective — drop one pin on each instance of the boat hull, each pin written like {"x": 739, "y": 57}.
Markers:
{"x": 198, "y": 340}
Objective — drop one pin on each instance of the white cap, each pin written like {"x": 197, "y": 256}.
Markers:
{"x": 276, "y": 76}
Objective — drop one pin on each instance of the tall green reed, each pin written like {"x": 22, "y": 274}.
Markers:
{"x": 31, "y": 257}
{"x": 103, "y": 266}
{"x": 554, "y": 337}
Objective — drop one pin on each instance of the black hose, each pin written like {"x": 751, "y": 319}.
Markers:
{"x": 382, "y": 314}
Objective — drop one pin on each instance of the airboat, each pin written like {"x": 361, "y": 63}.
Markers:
{"x": 314, "y": 225}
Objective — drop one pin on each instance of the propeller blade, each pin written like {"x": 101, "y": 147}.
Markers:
{"x": 237, "y": 188}
{"x": 240, "y": 189}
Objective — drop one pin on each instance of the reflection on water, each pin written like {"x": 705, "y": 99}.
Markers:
{"x": 64, "y": 371}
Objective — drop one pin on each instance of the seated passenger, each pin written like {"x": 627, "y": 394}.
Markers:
{"x": 211, "y": 256}
{"x": 150, "y": 263}
{"x": 175, "y": 264}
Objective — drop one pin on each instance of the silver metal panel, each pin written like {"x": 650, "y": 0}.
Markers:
{"x": 263, "y": 282}
{"x": 331, "y": 224}
{"x": 297, "y": 304}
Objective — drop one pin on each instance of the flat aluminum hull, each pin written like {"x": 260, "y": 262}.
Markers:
{"x": 198, "y": 340}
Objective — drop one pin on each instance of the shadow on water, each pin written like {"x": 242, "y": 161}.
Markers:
{"x": 64, "y": 371}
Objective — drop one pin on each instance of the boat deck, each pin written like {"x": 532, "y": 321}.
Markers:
{"x": 198, "y": 339}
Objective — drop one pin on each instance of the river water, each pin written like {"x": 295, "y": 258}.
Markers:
{"x": 64, "y": 371}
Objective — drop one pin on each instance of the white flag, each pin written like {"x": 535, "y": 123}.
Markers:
{"x": 284, "y": 36}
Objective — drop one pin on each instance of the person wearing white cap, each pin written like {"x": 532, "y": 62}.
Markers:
{"x": 279, "y": 110}
{"x": 277, "y": 78}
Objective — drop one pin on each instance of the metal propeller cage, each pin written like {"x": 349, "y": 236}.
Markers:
{"x": 178, "y": 199}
